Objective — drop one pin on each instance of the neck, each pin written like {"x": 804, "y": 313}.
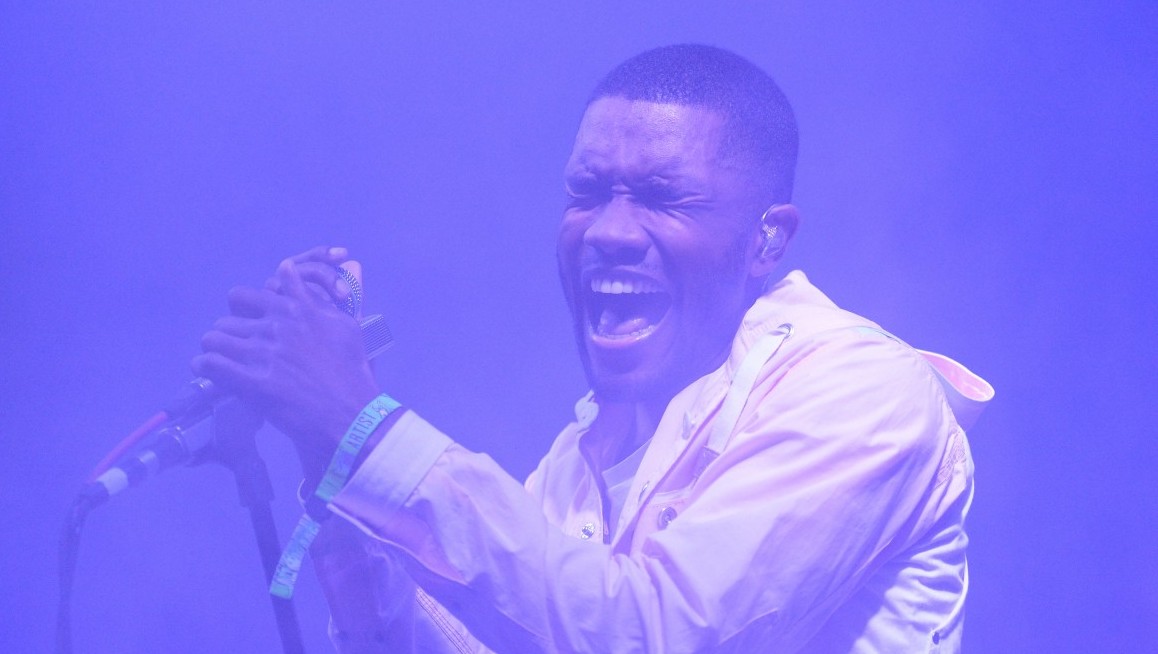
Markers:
{"x": 642, "y": 425}
{"x": 647, "y": 417}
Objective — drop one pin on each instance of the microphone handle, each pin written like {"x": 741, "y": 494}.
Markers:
{"x": 185, "y": 436}
{"x": 173, "y": 445}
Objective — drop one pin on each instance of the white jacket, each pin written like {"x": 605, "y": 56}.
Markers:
{"x": 808, "y": 496}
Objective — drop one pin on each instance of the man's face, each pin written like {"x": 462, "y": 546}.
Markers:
{"x": 655, "y": 247}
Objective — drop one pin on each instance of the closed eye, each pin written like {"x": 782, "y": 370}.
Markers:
{"x": 586, "y": 192}
{"x": 662, "y": 194}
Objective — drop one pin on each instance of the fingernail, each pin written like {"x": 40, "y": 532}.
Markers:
{"x": 337, "y": 252}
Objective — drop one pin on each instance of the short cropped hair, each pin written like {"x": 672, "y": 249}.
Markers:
{"x": 759, "y": 126}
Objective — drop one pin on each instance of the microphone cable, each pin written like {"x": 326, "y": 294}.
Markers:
{"x": 69, "y": 547}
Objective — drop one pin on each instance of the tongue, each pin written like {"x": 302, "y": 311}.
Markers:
{"x": 613, "y": 323}
{"x": 627, "y": 314}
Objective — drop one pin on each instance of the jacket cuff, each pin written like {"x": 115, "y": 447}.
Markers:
{"x": 391, "y": 472}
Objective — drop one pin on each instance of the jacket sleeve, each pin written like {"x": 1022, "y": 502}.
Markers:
{"x": 831, "y": 469}
{"x": 369, "y": 594}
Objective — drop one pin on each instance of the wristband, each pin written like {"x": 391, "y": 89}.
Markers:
{"x": 290, "y": 563}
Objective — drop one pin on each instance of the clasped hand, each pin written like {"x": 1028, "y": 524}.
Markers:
{"x": 291, "y": 354}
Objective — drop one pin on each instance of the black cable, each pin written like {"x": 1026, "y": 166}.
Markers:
{"x": 69, "y": 548}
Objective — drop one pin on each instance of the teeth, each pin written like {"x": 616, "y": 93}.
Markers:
{"x": 619, "y": 287}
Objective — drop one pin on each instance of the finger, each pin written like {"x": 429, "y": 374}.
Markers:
{"x": 326, "y": 277}
{"x": 225, "y": 372}
{"x": 236, "y": 348}
{"x": 317, "y": 288}
{"x": 294, "y": 288}
{"x": 249, "y": 302}
{"x": 238, "y": 326}
{"x": 290, "y": 280}
{"x": 322, "y": 254}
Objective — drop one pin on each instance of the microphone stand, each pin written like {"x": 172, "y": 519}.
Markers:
{"x": 235, "y": 446}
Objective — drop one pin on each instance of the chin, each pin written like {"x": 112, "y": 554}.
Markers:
{"x": 619, "y": 390}
{"x": 642, "y": 384}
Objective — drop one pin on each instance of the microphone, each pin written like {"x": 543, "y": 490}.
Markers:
{"x": 184, "y": 437}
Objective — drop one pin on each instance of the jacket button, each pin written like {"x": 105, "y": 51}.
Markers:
{"x": 666, "y": 516}
{"x": 588, "y": 531}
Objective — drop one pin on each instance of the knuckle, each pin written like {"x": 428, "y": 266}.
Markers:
{"x": 273, "y": 330}
{"x": 207, "y": 364}
{"x": 208, "y": 340}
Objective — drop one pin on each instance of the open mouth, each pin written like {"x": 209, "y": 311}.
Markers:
{"x": 625, "y": 308}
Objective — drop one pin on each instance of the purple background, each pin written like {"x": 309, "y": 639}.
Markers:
{"x": 980, "y": 181}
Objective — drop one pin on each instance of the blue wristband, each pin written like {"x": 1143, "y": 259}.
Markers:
{"x": 290, "y": 563}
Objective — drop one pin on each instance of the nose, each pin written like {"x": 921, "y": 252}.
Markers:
{"x": 617, "y": 232}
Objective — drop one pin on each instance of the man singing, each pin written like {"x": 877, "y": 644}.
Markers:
{"x": 754, "y": 469}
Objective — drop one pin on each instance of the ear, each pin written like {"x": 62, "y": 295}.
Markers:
{"x": 777, "y": 227}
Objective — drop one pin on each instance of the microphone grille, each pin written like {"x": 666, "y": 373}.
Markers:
{"x": 376, "y": 336}
{"x": 353, "y": 302}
